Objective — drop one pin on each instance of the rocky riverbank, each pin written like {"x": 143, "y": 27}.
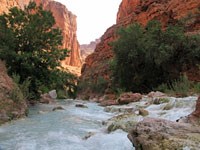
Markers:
{"x": 156, "y": 121}
{"x": 11, "y": 105}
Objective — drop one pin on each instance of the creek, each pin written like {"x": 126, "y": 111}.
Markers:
{"x": 76, "y": 128}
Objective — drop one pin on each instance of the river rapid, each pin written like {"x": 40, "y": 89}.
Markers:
{"x": 76, "y": 128}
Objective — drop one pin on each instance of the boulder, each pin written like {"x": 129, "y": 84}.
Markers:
{"x": 53, "y": 94}
{"x": 58, "y": 108}
{"x": 130, "y": 97}
{"x": 122, "y": 121}
{"x": 160, "y": 134}
{"x": 108, "y": 103}
{"x": 46, "y": 99}
{"x": 156, "y": 94}
{"x": 143, "y": 112}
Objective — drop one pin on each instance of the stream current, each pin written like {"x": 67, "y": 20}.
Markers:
{"x": 76, "y": 128}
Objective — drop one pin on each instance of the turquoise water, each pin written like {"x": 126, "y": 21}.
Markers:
{"x": 45, "y": 129}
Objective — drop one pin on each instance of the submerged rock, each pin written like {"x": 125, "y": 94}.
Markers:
{"x": 160, "y": 134}
{"x": 81, "y": 106}
{"x": 88, "y": 135}
{"x": 118, "y": 109}
{"x": 123, "y": 121}
{"x": 158, "y": 101}
{"x": 143, "y": 112}
{"x": 58, "y": 108}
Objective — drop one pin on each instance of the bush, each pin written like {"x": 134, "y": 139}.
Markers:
{"x": 97, "y": 86}
{"x": 20, "y": 92}
{"x": 100, "y": 85}
{"x": 146, "y": 57}
{"x": 181, "y": 87}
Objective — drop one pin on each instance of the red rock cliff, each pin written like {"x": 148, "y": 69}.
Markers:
{"x": 142, "y": 11}
{"x": 65, "y": 20}
{"x": 87, "y": 49}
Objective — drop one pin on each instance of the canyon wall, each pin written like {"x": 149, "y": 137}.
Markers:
{"x": 65, "y": 20}
{"x": 130, "y": 11}
{"x": 87, "y": 49}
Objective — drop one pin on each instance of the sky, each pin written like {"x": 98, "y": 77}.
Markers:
{"x": 93, "y": 17}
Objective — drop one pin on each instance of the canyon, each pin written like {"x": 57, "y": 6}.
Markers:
{"x": 87, "y": 49}
{"x": 65, "y": 20}
{"x": 141, "y": 11}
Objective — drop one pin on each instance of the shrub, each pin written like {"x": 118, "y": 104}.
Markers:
{"x": 146, "y": 57}
{"x": 181, "y": 87}
{"x": 20, "y": 92}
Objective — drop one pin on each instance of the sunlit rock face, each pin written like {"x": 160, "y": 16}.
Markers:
{"x": 65, "y": 20}
{"x": 142, "y": 11}
{"x": 6, "y": 4}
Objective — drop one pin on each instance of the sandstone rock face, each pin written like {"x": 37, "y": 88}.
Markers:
{"x": 87, "y": 49}
{"x": 142, "y": 11}
{"x": 157, "y": 134}
{"x": 7, "y": 4}
{"x": 65, "y": 20}
{"x": 9, "y": 108}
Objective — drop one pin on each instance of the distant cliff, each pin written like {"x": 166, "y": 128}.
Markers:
{"x": 87, "y": 49}
{"x": 65, "y": 20}
{"x": 130, "y": 11}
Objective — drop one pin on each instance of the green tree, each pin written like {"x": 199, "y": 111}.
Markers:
{"x": 31, "y": 45}
{"x": 146, "y": 57}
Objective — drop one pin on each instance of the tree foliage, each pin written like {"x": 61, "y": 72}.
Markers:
{"x": 31, "y": 46}
{"x": 146, "y": 57}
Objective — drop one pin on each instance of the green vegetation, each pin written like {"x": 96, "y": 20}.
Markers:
{"x": 20, "y": 92}
{"x": 146, "y": 57}
{"x": 31, "y": 47}
{"x": 180, "y": 87}
{"x": 98, "y": 86}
